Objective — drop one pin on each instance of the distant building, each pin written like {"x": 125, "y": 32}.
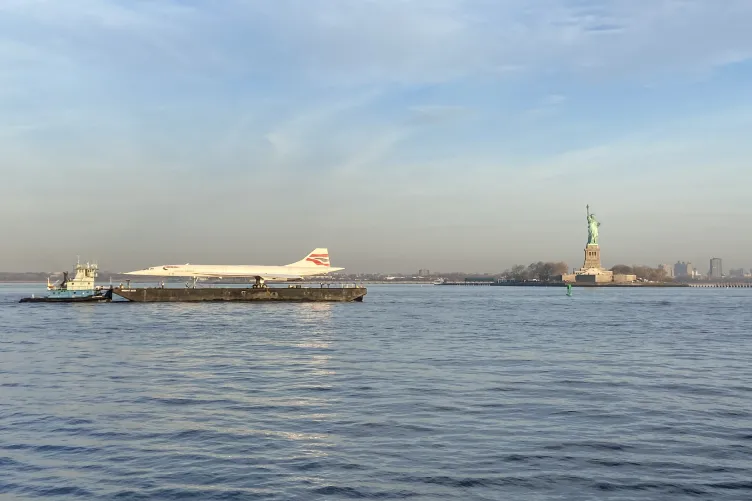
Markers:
{"x": 668, "y": 269}
{"x": 424, "y": 273}
{"x": 737, "y": 273}
{"x": 684, "y": 270}
{"x": 716, "y": 268}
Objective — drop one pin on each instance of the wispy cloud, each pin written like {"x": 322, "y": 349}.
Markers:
{"x": 546, "y": 106}
{"x": 439, "y": 113}
{"x": 394, "y": 41}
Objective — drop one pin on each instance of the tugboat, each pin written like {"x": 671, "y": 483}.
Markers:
{"x": 79, "y": 290}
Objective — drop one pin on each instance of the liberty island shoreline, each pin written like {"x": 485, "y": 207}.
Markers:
{"x": 637, "y": 285}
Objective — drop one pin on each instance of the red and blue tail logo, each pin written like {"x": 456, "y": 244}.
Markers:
{"x": 319, "y": 259}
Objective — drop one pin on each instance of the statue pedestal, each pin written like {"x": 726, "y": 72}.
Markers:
{"x": 592, "y": 257}
{"x": 592, "y": 271}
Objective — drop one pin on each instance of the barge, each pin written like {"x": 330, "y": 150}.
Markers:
{"x": 294, "y": 293}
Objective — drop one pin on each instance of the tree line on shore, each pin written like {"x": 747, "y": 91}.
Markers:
{"x": 643, "y": 272}
{"x": 544, "y": 272}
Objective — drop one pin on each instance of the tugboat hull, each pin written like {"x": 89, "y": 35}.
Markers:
{"x": 95, "y": 298}
{"x": 292, "y": 294}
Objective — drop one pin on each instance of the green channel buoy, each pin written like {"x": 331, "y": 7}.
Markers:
{"x": 569, "y": 289}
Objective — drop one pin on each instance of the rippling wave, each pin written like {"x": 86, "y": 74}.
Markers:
{"x": 417, "y": 393}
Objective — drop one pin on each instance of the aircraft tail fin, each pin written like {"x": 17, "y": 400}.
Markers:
{"x": 319, "y": 258}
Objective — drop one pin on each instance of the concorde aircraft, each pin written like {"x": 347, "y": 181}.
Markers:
{"x": 315, "y": 263}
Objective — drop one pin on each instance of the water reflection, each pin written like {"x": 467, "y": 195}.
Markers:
{"x": 316, "y": 336}
{"x": 314, "y": 313}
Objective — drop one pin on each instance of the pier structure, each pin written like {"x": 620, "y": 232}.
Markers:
{"x": 723, "y": 285}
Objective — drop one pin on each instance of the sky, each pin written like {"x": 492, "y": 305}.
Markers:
{"x": 401, "y": 134}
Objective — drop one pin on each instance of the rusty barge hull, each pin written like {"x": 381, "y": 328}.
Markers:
{"x": 236, "y": 294}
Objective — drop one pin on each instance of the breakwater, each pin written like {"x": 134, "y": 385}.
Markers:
{"x": 723, "y": 285}
{"x": 564, "y": 284}
{"x": 713, "y": 285}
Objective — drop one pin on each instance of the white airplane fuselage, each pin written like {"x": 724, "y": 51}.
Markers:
{"x": 315, "y": 263}
{"x": 221, "y": 271}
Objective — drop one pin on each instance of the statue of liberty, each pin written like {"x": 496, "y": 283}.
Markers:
{"x": 593, "y": 225}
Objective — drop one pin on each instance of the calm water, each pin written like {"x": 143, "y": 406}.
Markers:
{"x": 419, "y": 392}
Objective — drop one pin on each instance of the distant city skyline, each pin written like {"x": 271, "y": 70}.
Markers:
{"x": 454, "y": 135}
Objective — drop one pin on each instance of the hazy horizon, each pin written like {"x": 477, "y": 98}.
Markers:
{"x": 453, "y": 135}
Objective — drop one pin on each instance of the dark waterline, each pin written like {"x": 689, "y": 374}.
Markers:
{"x": 420, "y": 392}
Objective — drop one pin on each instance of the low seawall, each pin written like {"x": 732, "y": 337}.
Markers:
{"x": 468, "y": 284}
{"x": 564, "y": 284}
{"x": 721, "y": 285}
{"x": 634, "y": 285}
